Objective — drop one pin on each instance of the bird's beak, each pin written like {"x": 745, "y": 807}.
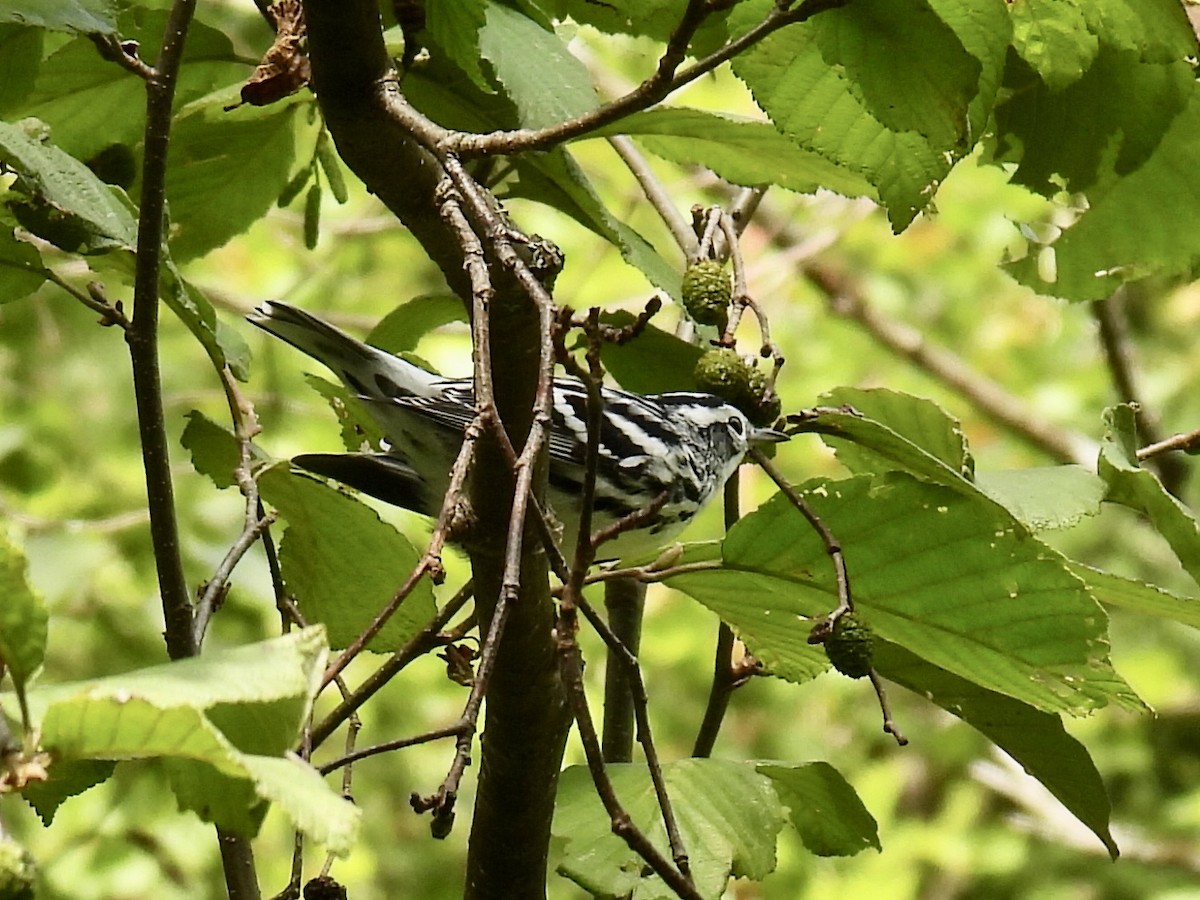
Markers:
{"x": 760, "y": 436}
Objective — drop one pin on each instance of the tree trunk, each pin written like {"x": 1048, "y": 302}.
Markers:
{"x": 526, "y": 715}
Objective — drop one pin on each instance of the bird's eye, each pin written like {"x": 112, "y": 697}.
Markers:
{"x": 737, "y": 426}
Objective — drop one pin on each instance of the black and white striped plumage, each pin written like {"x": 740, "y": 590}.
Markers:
{"x": 686, "y": 444}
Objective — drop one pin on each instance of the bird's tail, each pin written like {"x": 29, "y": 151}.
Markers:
{"x": 367, "y": 371}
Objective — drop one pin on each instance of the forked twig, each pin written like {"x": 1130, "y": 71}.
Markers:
{"x": 823, "y": 629}
{"x": 570, "y": 659}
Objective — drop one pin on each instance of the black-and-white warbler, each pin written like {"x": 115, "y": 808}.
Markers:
{"x": 684, "y": 444}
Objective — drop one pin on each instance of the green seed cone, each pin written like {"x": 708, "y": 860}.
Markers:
{"x": 851, "y": 646}
{"x": 706, "y": 293}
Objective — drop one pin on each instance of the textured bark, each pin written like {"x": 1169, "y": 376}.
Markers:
{"x": 526, "y": 717}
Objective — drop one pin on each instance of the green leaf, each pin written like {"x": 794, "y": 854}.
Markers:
{"x": 742, "y": 151}
{"x": 1045, "y": 497}
{"x": 224, "y": 346}
{"x": 227, "y": 800}
{"x": 284, "y": 670}
{"x": 831, "y": 84}
{"x": 342, "y": 563}
{"x": 929, "y": 94}
{"x": 215, "y": 450}
{"x": 1052, "y": 37}
{"x": 304, "y": 797}
{"x": 824, "y": 809}
{"x": 1156, "y": 30}
{"x": 20, "y": 57}
{"x": 240, "y": 804}
{"x": 1138, "y": 596}
{"x": 67, "y": 204}
{"x": 1138, "y": 488}
{"x": 653, "y": 362}
{"x": 728, "y": 818}
{"x": 454, "y": 29}
{"x": 1036, "y": 740}
{"x": 655, "y": 19}
{"x": 68, "y": 778}
{"x": 1122, "y": 105}
{"x": 554, "y": 178}
{"x": 545, "y": 82}
{"x": 244, "y": 157}
{"x": 206, "y": 716}
{"x": 1148, "y": 221}
{"x": 402, "y": 329}
{"x": 21, "y": 270}
{"x": 23, "y": 617}
{"x": 91, "y": 103}
{"x": 949, "y": 576}
{"x": 358, "y": 428}
{"x": 924, "y": 428}
{"x": 83, "y": 16}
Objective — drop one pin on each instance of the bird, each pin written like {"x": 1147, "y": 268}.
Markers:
{"x": 682, "y": 444}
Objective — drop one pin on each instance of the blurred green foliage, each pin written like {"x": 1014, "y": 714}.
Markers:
{"x": 956, "y": 818}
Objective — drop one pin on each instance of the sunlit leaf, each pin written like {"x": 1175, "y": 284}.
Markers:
{"x": 91, "y": 103}
{"x": 244, "y": 157}
{"x": 832, "y": 86}
{"x": 23, "y": 616}
{"x": 742, "y": 151}
{"x": 924, "y": 427}
{"x": 824, "y": 809}
{"x": 1052, "y": 36}
{"x": 1138, "y": 596}
{"x": 545, "y": 82}
{"x": 342, "y": 563}
{"x": 728, "y": 818}
{"x": 970, "y": 590}
{"x": 1045, "y": 497}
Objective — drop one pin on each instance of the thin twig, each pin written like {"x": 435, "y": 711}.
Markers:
{"x": 889, "y": 724}
{"x": 1186, "y": 442}
{"x": 124, "y": 54}
{"x": 845, "y": 299}
{"x": 356, "y": 646}
{"x": 471, "y": 198}
{"x": 622, "y": 825}
{"x": 832, "y": 547}
{"x": 434, "y": 734}
{"x": 745, "y": 205}
{"x": 742, "y": 300}
{"x": 216, "y": 587}
{"x": 419, "y": 644}
{"x": 724, "y": 678}
{"x": 94, "y": 299}
{"x": 1118, "y": 350}
{"x": 657, "y": 193}
{"x": 570, "y": 657}
{"x": 142, "y": 336}
{"x": 666, "y": 78}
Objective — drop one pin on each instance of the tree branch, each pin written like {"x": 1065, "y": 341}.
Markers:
{"x": 142, "y": 338}
{"x": 991, "y": 399}
{"x": 666, "y": 79}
